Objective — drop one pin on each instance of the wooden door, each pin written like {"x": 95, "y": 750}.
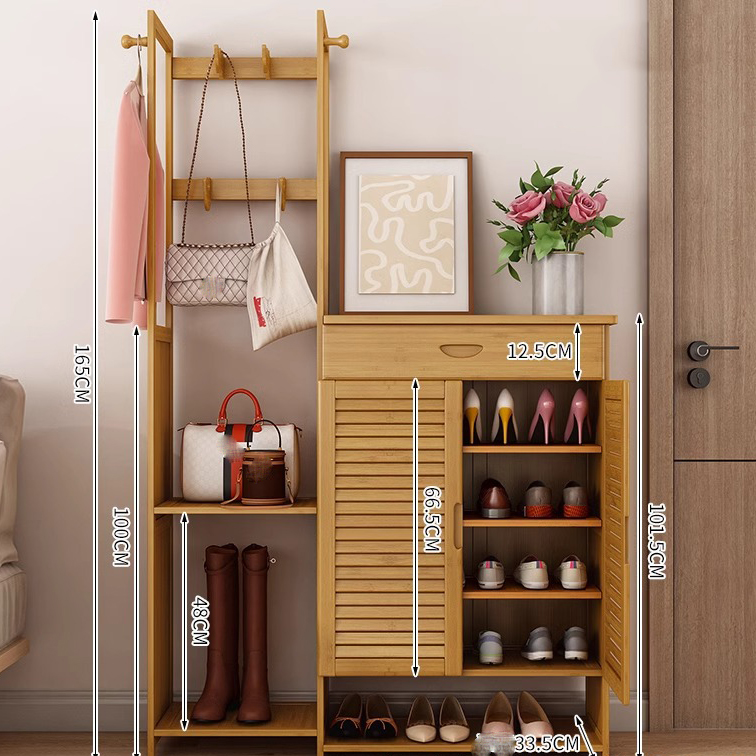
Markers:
{"x": 615, "y": 578}
{"x": 365, "y": 530}
{"x": 702, "y": 288}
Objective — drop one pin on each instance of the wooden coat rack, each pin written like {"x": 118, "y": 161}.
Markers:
{"x": 163, "y": 714}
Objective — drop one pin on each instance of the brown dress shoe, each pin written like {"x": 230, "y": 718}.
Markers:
{"x": 493, "y": 501}
{"x": 255, "y": 698}
{"x": 221, "y": 691}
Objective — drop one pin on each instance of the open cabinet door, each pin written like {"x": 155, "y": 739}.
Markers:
{"x": 614, "y": 511}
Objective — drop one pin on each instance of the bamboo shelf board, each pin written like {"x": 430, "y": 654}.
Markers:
{"x": 290, "y": 720}
{"x": 512, "y": 590}
{"x": 566, "y": 726}
{"x": 515, "y": 666}
{"x": 463, "y": 319}
{"x": 247, "y": 68}
{"x": 14, "y": 651}
{"x": 534, "y": 449}
{"x": 400, "y": 743}
{"x": 474, "y": 520}
{"x": 233, "y": 189}
{"x": 179, "y": 506}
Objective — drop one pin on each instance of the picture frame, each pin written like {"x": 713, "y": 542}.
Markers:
{"x": 406, "y": 233}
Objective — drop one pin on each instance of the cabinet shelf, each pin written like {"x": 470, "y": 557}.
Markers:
{"x": 474, "y": 520}
{"x": 290, "y": 720}
{"x": 179, "y": 506}
{"x": 512, "y": 590}
{"x": 533, "y": 449}
{"x": 402, "y": 744}
{"x": 515, "y": 666}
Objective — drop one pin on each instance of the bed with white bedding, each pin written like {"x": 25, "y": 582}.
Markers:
{"x": 12, "y": 578}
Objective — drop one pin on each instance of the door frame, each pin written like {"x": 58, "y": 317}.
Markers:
{"x": 661, "y": 331}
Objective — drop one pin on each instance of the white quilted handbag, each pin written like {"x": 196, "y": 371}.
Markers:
{"x": 211, "y": 455}
{"x": 210, "y": 274}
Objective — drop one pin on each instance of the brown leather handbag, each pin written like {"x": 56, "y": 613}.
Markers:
{"x": 263, "y": 476}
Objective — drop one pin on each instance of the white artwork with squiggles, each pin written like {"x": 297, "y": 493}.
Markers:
{"x": 406, "y": 236}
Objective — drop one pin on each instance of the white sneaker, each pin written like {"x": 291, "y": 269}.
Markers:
{"x": 490, "y": 649}
{"x": 572, "y": 573}
{"x": 491, "y": 574}
{"x": 532, "y": 573}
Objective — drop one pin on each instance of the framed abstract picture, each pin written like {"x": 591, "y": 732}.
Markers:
{"x": 406, "y": 232}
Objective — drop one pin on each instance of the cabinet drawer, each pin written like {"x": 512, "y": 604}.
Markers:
{"x": 463, "y": 352}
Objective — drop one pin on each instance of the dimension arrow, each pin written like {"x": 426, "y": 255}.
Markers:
{"x": 581, "y": 729}
{"x": 577, "y": 371}
{"x": 638, "y": 530}
{"x": 95, "y": 407}
{"x": 415, "y": 527}
{"x": 184, "y": 612}
{"x": 136, "y": 751}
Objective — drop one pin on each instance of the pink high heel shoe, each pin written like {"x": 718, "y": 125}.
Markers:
{"x": 539, "y": 434}
{"x": 578, "y": 419}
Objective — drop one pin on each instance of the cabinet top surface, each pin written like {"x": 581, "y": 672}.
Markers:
{"x": 464, "y": 319}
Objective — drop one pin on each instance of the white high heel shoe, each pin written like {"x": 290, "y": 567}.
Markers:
{"x": 473, "y": 428}
{"x": 504, "y": 429}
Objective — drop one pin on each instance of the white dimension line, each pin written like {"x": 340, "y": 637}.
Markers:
{"x": 95, "y": 408}
{"x": 638, "y": 534}
{"x": 184, "y": 611}
{"x": 415, "y": 529}
{"x": 577, "y": 371}
{"x": 136, "y": 542}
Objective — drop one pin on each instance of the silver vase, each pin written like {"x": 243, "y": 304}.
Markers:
{"x": 558, "y": 284}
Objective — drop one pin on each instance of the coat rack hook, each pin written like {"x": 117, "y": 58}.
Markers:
{"x": 342, "y": 41}
{"x": 218, "y": 62}
{"x": 207, "y": 189}
{"x": 266, "y": 61}
{"x": 128, "y": 41}
{"x": 282, "y": 187}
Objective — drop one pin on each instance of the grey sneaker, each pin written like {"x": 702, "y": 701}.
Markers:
{"x": 539, "y": 646}
{"x": 574, "y": 645}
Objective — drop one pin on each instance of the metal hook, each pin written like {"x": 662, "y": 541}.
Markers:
{"x": 139, "y": 49}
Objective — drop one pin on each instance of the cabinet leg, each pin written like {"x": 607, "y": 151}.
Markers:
{"x": 597, "y": 709}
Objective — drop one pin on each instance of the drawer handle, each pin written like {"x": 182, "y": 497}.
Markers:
{"x": 461, "y": 350}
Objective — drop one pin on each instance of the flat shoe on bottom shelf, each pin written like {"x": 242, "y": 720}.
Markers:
{"x": 421, "y": 723}
{"x": 499, "y": 717}
{"x": 379, "y": 723}
{"x": 532, "y": 718}
{"x": 348, "y": 721}
{"x": 452, "y": 722}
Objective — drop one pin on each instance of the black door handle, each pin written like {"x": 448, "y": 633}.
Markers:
{"x": 700, "y": 350}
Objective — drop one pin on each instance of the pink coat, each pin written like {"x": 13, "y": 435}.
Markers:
{"x": 127, "y": 288}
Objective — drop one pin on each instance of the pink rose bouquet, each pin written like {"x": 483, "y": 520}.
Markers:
{"x": 550, "y": 216}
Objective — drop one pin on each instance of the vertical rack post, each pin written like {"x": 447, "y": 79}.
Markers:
{"x": 323, "y": 169}
{"x": 160, "y": 404}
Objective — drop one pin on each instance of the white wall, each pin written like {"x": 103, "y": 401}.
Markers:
{"x": 561, "y": 83}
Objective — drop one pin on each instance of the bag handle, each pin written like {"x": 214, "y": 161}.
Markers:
{"x": 257, "y": 429}
{"x": 223, "y": 420}
{"x": 196, "y": 143}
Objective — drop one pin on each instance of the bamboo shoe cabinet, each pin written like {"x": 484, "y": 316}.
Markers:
{"x": 364, "y": 505}
{"x": 365, "y": 508}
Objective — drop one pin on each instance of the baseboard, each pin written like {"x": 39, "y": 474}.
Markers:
{"x": 71, "y": 711}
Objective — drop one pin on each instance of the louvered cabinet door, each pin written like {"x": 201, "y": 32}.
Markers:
{"x": 365, "y": 529}
{"x": 615, "y": 510}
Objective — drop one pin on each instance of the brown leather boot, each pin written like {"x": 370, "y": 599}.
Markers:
{"x": 255, "y": 703}
{"x": 221, "y": 691}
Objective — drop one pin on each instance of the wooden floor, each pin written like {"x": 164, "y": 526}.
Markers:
{"x": 698, "y": 743}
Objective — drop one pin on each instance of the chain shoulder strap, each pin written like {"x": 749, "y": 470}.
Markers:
{"x": 196, "y": 143}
